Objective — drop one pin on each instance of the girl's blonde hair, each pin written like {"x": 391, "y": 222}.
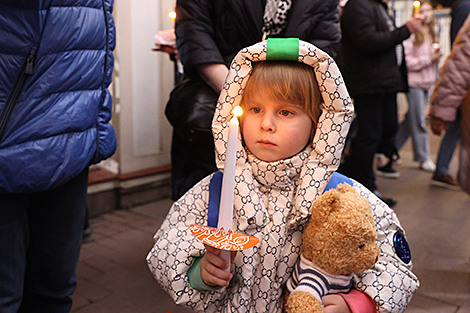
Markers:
{"x": 431, "y": 26}
{"x": 286, "y": 81}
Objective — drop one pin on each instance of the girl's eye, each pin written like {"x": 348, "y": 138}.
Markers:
{"x": 286, "y": 113}
{"x": 256, "y": 110}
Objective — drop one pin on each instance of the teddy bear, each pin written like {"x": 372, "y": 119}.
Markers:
{"x": 339, "y": 240}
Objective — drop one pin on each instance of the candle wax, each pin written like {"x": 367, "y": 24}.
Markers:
{"x": 228, "y": 184}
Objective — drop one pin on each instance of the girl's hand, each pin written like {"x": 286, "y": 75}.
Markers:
{"x": 335, "y": 304}
{"x": 213, "y": 268}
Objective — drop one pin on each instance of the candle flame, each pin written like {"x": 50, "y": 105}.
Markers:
{"x": 237, "y": 111}
{"x": 172, "y": 15}
{"x": 416, "y": 4}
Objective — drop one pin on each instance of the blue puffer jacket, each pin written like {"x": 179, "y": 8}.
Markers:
{"x": 56, "y": 63}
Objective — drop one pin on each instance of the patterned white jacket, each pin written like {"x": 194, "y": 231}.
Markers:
{"x": 272, "y": 202}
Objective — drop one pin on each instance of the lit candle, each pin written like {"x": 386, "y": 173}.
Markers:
{"x": 416, "y": 5}
{"x": 228, "y": 182}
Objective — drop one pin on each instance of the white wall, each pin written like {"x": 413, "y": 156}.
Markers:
{"x": 142, "y": 82}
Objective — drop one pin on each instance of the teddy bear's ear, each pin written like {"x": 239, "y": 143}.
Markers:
{"x": 328, "y": 202}
{"x": 343, "y": 188}
{"x": 324, "y": 205}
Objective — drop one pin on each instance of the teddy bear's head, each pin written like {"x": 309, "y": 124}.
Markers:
{"x": 340, "y": 235}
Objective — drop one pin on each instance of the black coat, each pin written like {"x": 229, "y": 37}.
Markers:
{"x": 369, "y": 62}
{"x": 213, "y": 31}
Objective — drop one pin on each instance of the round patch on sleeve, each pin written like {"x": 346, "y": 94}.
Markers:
{"x": 401, "y": 247}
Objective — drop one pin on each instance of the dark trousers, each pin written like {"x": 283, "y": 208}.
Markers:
{"x": 377, "y": 124}
{"x": 40, "y": 238}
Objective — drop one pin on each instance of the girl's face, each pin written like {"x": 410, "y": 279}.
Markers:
{"x": 274, "y": 130}
{"x": 426, "y": 10}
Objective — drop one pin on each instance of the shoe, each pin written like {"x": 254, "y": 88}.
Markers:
{"x": 445, "y": 181}
{"x": 387, "y": 171}
{"x": 388, "y": 201}
{"x": 427, "y": 166}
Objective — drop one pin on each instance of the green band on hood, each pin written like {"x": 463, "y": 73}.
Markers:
{"x": 286, "y": 49}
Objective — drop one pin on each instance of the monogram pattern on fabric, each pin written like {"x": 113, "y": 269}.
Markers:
{"x": 175, "y": 249}
{"x": 271, "y": 202}
{"x": 390, "y": 283}
{"x": 275, "y": 16}
{"x": 260, "y": 272}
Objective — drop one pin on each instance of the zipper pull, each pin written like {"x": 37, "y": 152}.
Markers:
{"x": 29, "y": 64}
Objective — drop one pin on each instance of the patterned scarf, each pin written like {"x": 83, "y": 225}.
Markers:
{"x": 275, "y": 15}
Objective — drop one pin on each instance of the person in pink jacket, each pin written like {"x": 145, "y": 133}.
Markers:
{"x": 451, "y": 92}
{"x": 422, "y": 56}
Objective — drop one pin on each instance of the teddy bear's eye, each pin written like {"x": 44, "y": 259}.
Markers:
{"x": 361, "y": 246}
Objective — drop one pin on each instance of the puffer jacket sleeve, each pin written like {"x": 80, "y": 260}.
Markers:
{"x": 195, "y": 34}
{"x": 454, "y": 81}
{"x": 390, "y": 283}
{"x": 176, "y": 248}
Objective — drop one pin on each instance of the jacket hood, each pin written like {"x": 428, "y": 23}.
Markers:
{"x": 333, "y": 124}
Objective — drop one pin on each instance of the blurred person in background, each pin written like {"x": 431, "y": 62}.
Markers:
{"x": 452, "y": 91}
{"x": 422, "y": 56}
{"x": 441, "y": 177}
{"x": 374, "y": 69}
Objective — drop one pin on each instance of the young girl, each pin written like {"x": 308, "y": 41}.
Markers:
{"x": 422, "y": 57}
{"x": 297, "y": 114}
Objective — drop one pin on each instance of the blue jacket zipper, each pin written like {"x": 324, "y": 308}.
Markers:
{"x": 26, "y": 71}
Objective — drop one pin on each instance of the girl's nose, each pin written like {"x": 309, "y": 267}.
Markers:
{"x": 267, "y": 123}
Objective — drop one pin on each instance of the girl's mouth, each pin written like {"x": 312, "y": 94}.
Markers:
{"x": 266, "y": 143}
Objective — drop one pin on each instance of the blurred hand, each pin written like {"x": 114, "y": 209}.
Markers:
{"x": 165, "y": 48}
{"x": 213, "y": 268}
{"x": 414, "y": 23}
{"x": 438, "y": 125}
{"x": 335, "y": 304}
{"x": 436, "y": 56}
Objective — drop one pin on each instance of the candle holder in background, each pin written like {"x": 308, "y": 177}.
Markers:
{"x": 416, "y": 6}
{"x": 165, "y": 41}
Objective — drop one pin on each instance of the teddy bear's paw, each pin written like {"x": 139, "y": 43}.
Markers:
{"x": 302, "y": 302}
